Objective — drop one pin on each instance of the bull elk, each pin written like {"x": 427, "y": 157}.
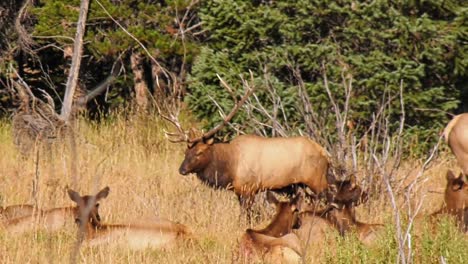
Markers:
{"x": 456, "y": 135}
{"x": 249, "y": 163}
{"x": 276, "y": 243}
{"x": 158, "y": 235}
{"x": 56, "y": 218}
{"x": 15, "y": 211}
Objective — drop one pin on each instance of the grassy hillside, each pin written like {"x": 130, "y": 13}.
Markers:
{"x": 141, "y": 169}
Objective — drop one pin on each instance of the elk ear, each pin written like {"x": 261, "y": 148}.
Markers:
{"x": 450, "y": 176}
{"x": 271, "y": 198}
{"x": 74, "y": 196}
{"x": 102, "y": 193}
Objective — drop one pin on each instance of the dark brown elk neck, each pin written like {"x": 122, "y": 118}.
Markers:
{"x": 219, "y": 172}
{"x": 280, "y": 225}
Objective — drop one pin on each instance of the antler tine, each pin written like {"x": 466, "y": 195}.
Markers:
{"x": 180, "y": 135}
{"x": 228, "y": 118}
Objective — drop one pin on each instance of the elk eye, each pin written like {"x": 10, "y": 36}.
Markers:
{"x": 77, "y": 221}
{"x": 97, "y": 205}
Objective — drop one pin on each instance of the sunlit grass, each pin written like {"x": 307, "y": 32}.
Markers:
{"x": 132, "y": 157}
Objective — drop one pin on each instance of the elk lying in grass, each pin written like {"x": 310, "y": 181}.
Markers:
{"x": 456, "y": 200}
{"x": 275, "y": 243}
{"x": 54, "y": 219}
{"x": 15, "y": 211}
{"x": 340, "y": 214}
{"x": 157, "y": 235}
{"x": 456, "y": 136}
{"x": 249, "y": 163}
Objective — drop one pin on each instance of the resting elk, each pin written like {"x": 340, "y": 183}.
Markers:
{"x": 340, "y": 214}
{"x": 54, "y": 219}
{"x": 456, "y": 135}
{"x": 456, "y": 199}
{"x": 15, "y": 211}
{"x": 275, "y": 243}
{"x": 157, "y": 235}
{"x": 249, "y": 163}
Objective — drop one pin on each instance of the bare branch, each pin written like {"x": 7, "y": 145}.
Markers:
{"x": 76, "y": 62}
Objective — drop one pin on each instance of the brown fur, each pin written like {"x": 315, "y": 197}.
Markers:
{"x": 457, "y": 138}
{"x": 344, "y": 220}
{"x": 251, "y": 163}
{"x": 156, "y": 234}
{"x": 15, "y": 211}
{"x": 275, "y": 243}
{"x": 456, "y": 200}
{"x": 340, "y": 214}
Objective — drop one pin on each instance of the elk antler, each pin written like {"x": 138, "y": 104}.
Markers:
{"x": 175, "y": 137}
{"x": 181, "y": 135}
{"x": 228, "y": 118}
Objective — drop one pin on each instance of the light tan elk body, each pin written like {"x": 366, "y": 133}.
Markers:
{"x": 456, "y": 135}
{"x": 15, "y": 211}
{"x": 156, "y": 234}
{"x": 249, "y": 163}
{"x": 53, "y": 219}
{"x": 275, "y": 243}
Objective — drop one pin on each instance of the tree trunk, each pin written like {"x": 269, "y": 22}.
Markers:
{"x": 76, "y": 62}
{"x": 141, "y": 88}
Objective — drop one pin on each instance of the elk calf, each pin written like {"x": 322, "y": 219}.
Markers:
{"x": 157, "y": 235}
{"x": 275, "y": 243}
{"x": 54, "y": 219}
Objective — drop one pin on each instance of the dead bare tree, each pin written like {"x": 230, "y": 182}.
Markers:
{"x": 76, "y": 62}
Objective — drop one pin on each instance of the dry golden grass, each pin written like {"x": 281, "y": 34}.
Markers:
{"x": 141, "y": 169}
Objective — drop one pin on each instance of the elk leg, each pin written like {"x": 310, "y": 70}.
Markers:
{"x": 246, "y": 202}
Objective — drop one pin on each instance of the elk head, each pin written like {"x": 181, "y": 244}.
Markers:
{"x": 346, "y": 192}
{"x": 287, "y": 214}
{"x": 198, "y": 153}
{"x": 88, "y": 206}
{"x": 456, "y": 192}
{"x": 197, "y": 156}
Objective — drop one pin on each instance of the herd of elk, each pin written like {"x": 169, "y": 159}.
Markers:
{"x": 247, "y": 165}
{"x": 155, "y": 234}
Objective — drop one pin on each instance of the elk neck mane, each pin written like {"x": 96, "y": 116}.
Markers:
{"x": 219, "y": 171}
